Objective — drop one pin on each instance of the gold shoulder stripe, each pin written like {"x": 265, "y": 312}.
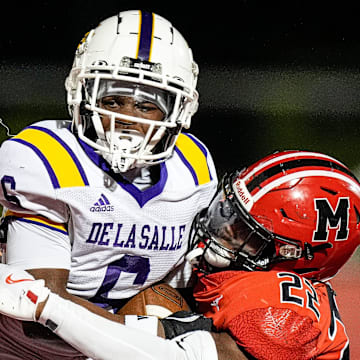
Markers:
{"x": 38, "y": 220}
{"x": 61, "y": 163}
{"x": 194, "y": 157}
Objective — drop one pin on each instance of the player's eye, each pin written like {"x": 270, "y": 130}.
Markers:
{"x": 111, "y": 102}
{"x": 146, "y": 107}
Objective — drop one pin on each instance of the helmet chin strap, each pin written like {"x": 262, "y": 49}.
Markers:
{"x": 194, "y": 255}
{"x": 216, "y": 260}
{"x": 211, "y": 257}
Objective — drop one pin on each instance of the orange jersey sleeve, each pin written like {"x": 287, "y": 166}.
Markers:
{"x": 274, "y": 315}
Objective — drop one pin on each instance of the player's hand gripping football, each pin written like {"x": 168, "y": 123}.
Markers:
{"x": 20, "y": 293}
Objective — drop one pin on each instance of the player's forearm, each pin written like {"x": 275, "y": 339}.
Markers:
{"x": 93, "y": 308}
{"x": 98, "y": 311}
{"x": 27, "y": 299}
{"x": 56, "y": 281}
{"x": 114, "y": 337}
{"x": 102, "y": 339}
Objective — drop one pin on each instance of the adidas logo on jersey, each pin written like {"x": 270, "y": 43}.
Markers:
{"x": 102, "y": 205}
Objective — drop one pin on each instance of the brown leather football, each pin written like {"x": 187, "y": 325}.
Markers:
{"x": 159, "y": 300}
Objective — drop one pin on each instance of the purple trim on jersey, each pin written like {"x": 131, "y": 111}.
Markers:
{"x": 98, "y": 160}
{"x": 67, "y": 148}
{"x": 41, "y": 224}
{"x": 142, "y": 197}
{"x": 187, "y": 164}
{"x": 48, "y": 167}
{"x": 202, "y": 148}
{"x": 145, "y": 36}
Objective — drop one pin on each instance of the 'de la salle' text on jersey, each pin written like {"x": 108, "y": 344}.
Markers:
{"x": 65, "y": 210}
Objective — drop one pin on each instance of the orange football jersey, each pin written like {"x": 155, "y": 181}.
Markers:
{"x": 275, "y": 315}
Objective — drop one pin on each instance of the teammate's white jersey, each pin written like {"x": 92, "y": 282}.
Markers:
{"x": 65, "y": 210}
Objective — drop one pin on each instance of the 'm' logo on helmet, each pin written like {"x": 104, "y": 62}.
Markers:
{"x": 330, "y": 219}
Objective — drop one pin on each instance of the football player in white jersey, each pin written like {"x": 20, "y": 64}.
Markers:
{"x": 101, "y": 206}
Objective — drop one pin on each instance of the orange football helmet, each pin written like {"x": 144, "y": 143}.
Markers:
{"x": 292, "y": 210}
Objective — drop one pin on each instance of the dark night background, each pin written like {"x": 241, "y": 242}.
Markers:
{"x": 274, "y": 75}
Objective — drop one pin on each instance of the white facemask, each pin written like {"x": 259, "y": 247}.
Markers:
{"x": 126, "y": 141}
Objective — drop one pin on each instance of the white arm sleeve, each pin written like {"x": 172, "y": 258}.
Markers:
{"x": 103, "y": 339}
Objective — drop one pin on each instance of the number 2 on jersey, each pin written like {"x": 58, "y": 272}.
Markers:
{"x": 308, "y": 299}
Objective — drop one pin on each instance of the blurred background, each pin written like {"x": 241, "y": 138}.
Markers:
{"x": 274, "y": 75}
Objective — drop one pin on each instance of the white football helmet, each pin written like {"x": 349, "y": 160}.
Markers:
{"x": 137, "y": 54}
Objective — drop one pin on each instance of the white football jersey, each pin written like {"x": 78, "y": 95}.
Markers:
{"x": 65, "y": 210}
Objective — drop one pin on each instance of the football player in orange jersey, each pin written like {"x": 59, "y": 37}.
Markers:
{"x": 263, "y": 250}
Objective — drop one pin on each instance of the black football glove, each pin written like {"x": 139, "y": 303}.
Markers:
{"x": 182, "y": 322}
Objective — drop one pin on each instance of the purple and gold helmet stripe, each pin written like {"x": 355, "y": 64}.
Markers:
{"x": 146, "y": 36}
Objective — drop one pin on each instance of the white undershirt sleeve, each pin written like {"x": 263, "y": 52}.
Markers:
{"x": 31, "y": 246}
{"x": 103, "y": 339}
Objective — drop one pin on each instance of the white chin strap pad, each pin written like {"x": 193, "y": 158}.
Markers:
{"x": 210, "y": 256}
{"x": 215, "y": 259}
{"x": 121, "y": 144}
{"x": 127, "y": 141}
{"x": 193, "y": 256}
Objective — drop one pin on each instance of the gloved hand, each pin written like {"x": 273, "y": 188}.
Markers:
{"x": 182, "y": 322}
{"x": 20, "y": 293}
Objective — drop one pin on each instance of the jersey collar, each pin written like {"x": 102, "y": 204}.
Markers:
{"x": 141, "y": 196}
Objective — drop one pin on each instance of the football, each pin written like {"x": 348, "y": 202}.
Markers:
{"x": 158, "y": 300}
